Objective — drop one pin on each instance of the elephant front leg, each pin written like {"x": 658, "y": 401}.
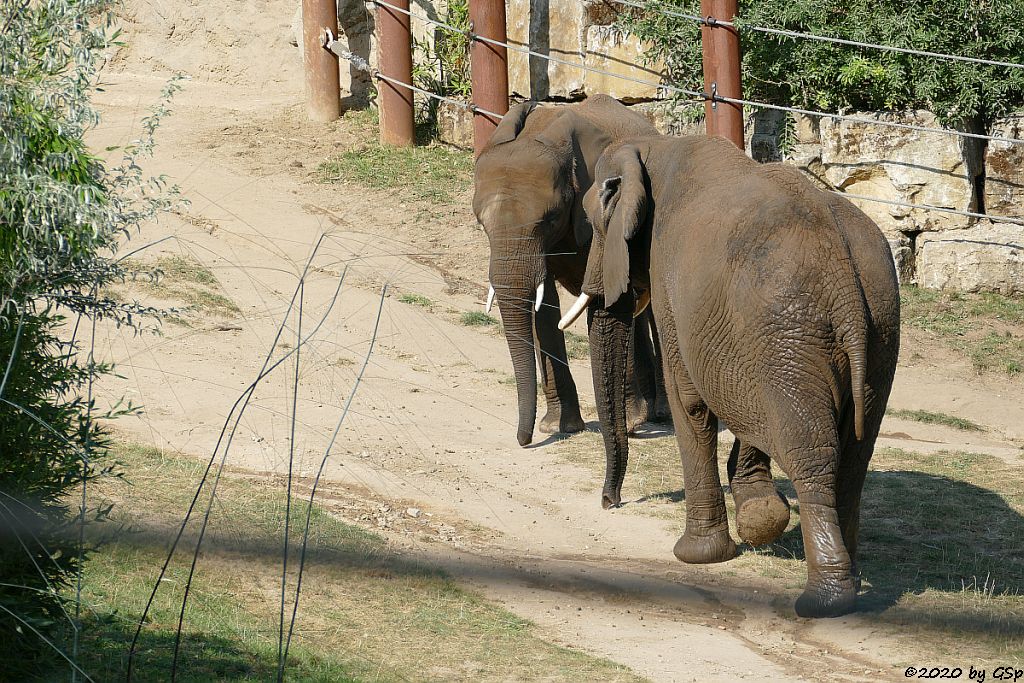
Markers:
{"x": 707, "y": 537}
{"x": 762, "y": 513}
{"x": 559, "y": 389}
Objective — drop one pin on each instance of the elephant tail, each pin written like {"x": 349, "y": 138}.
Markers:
{"x": 850, "y": 320}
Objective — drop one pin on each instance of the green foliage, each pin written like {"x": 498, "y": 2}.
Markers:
{"x": 416, "y": 300}
{"x": 818, "y": 75}
{"x": 443, "y": 66}
{"x": 477, "y": 319}
{"x": 62, "y": 214}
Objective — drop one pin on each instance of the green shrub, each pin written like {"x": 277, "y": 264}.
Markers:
{"x": 818, "y": 75}
{"x": 62, "y": 214}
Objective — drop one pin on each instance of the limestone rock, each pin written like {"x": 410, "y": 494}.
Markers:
{"x": 549, "y": 27}
{"x": 615, "y": 52}
{"x": 986, "y": 257}
{"x": 1004, "y": 169}
{"x": 899, "y": 165}
{"x": 672, "y": 118}
{"x": 454, "y": 125}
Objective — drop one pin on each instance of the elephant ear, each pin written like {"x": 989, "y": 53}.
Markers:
{"x": 511, "y": 124}
{"x": 623, "y": 198}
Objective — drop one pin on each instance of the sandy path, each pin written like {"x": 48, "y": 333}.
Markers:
{"x": 432, "y": 424}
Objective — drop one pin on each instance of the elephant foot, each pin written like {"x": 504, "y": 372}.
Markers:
{"x": 827, "y": 597}
{"x": 611, "y": 499}
{"x": 562, "y": 422}
{"x": 761, "y": 519}
{"x": 716, "y": 547}
{"x": 637, "y": 413}
{"x": 661, "y": 414}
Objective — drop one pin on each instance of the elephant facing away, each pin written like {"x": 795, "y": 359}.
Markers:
{"x": 778, "y": 308}
{"x": 528, "y": 191}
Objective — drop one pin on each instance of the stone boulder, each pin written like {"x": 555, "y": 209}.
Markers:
{"x": 579, "y": 33}
{"x": 1004, "y": 169}
{"x": 549, "y": 27}
{"x": 609, "y": 49}
{"x": 900, "y": 165}
{"x": 986, "y": 257}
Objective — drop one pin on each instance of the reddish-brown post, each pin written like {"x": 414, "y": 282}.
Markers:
{"x": 489, "y": 63}
{"x": 722, "y": 71}
{"x": 396, "y": 117}
{"x": 323, "y": 91}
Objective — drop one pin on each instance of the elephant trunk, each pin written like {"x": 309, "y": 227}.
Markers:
{"x": 517, "y": 318}
{"x": 609, "y": 346}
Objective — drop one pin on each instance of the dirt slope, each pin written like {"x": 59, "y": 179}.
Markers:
{"x": 432, "y": 424}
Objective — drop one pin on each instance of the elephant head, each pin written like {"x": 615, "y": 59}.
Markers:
{"x": 619, "y": 259}
{"x": 528, "y": 191}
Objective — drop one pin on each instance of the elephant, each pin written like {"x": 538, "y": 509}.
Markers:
{"x": 529, "y": 183}
{"x": 778, "y": 307}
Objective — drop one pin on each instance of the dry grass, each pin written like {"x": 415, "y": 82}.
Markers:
{"x": 987, "y": 328}
{"x": 366, "y": 613}
{"x": 183, "y": 280}
{"x": 928, "y": 417}
{"x": 941, "y": 547}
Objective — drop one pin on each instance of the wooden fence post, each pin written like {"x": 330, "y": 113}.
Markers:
{"x": 722, "y": 71}
{"x": 323, "y": 90}
{"x": 395, "y": 50}
{"x": 489, "y": 65}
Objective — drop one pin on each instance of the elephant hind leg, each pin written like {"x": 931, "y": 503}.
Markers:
{"x": 762, "y": 513}
{"x": 853, "y": 467}
{"x": 830, "y": 590}
{"x": 706, "y": 538}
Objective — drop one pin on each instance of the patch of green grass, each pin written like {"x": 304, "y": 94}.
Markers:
{"x": 432, "y": 173}
{"x": 477, "y": 319}
{"x": 577, "y": 346}
{"x": 929, "y": 417}
{"x": 416, "y": 300}
{"x": 988, "y": 328}
{"x": 366, "y": 613}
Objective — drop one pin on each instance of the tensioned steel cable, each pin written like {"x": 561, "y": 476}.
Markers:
{"x": 363, "y": 65}
{"x": 701, "y": 96}
{"x": 742, "y": 26}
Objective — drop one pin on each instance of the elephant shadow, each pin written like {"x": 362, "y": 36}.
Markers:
{"x": 921, "y": 534}
{"x": 925, "y": 533}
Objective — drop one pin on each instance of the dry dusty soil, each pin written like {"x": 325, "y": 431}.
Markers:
{"x": 431, "y": 426}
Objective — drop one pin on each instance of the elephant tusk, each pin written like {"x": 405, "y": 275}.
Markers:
{"x": 490, "y": 297}
{"x": 642, "y": 302}
{"x": 540, "y": 297}
{"x": 570, "y": 317}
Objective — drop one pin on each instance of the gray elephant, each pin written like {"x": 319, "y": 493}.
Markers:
{"x": 529, "y": 185}
{"x": 778, "y": 307}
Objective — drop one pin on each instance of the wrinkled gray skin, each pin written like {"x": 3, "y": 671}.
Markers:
{"x": 778, "y": 309}
{"x": 529, "y": 185}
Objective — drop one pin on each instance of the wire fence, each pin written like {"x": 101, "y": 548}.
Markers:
{"x": 699, "y": 97}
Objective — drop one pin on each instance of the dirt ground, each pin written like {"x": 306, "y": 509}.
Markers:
{"x": 432, "y": 424}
